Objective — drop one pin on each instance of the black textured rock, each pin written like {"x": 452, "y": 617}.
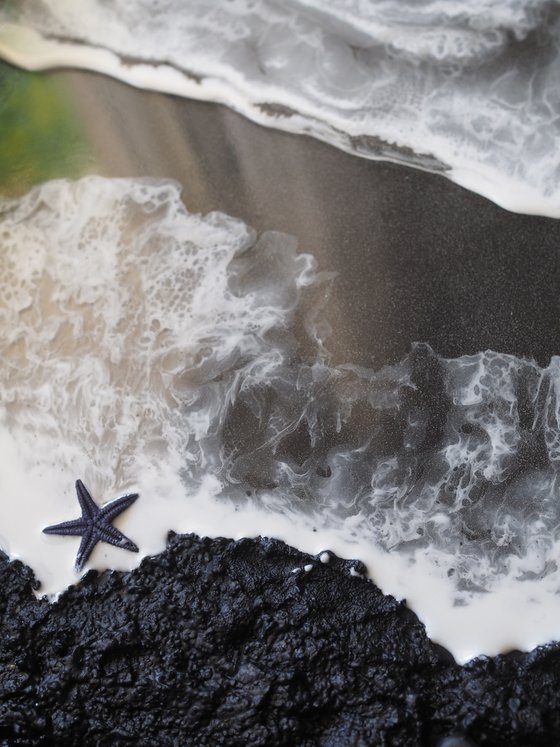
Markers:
{"x": 217, "y": 642}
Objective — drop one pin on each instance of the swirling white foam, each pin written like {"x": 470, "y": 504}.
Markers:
{"x": 472, "y": 90}
{"x": 148, "y": 349}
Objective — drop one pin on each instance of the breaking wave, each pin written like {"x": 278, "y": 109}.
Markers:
{"x": 472, "y": 92}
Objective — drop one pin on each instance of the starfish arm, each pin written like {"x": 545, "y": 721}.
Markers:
{"x": 113, "y": 536}
{"x": 116, "y": 507}
{"x": 74, "y": 528}
{"x": 89, "y": 540}
{"x": 89, "y": 508}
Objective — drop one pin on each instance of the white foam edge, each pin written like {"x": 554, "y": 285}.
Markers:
{"x": 491, "y": 619}
{"x": 25, "y": 47}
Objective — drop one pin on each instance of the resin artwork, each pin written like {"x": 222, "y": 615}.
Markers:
{"x": 178, "y": 365}
{"x": 468, "y": 90}
{"x": 179, "y": 357}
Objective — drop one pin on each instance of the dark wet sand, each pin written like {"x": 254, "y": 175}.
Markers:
{"x": 419, "y": 259}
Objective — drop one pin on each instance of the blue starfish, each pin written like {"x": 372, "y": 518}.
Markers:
{"x": 95, "y": 525}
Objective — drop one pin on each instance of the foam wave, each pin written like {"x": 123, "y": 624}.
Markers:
{"x": 459, "y": 455}
{"x": 145, "y": 349}
{"x": 471, "y": 93}
{"x": 118, "y": 304}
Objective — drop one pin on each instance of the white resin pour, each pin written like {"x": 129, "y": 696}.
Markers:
{"x": 470, "y": 90}
{"x": 144, "y": 349}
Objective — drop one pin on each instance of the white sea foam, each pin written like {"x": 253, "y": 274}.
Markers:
{"x": 472, "y": 90}
{"x": 147, "y": 349}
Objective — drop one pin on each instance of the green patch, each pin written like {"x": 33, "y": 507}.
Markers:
{"x": 41, "y": 136}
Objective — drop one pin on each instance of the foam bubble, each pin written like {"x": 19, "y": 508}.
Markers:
{"x": 146, "y": 349}
{"x": 470, "y": 92}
